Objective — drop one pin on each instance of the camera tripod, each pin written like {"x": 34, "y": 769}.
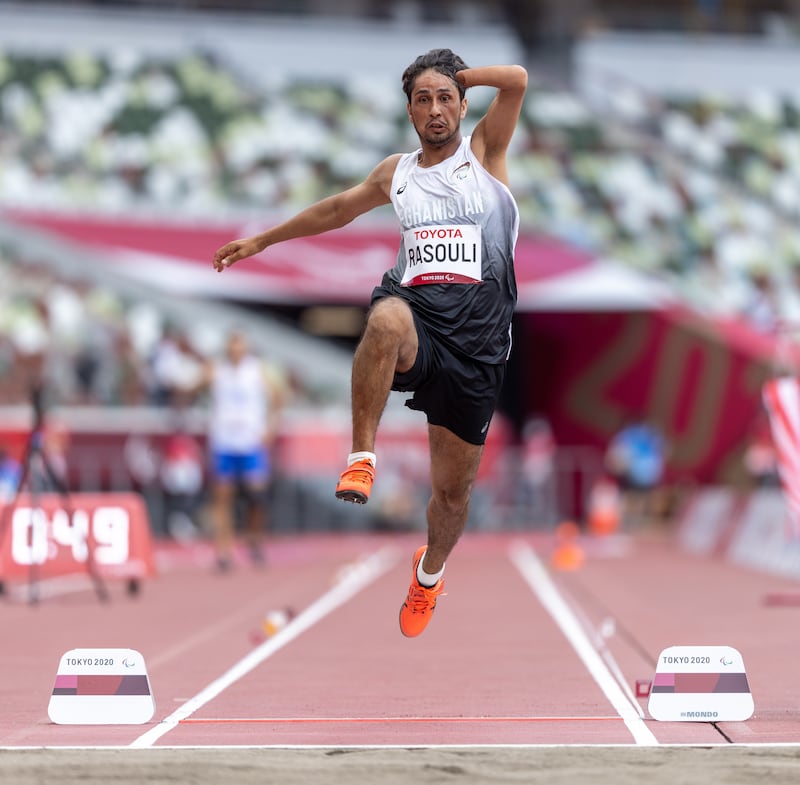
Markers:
{"x": 39, "y": 475}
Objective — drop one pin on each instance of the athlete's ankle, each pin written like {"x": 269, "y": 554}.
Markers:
{"x": 362, "y": 455}
{"x": 426, "y": 578}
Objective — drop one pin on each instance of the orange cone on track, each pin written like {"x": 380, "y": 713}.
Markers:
{"x": 568, "y": 554}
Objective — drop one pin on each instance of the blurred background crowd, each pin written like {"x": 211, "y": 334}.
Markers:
{"x": 703, "y": 190}
{"x": 698, "y": 189}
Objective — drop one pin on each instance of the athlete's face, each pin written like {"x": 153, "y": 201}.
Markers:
{"x": 435, "y": 108}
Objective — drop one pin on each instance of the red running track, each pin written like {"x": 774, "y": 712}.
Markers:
{"x": 494, "y": 668}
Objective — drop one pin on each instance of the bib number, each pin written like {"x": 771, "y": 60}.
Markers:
{"x": 442, "y": 254}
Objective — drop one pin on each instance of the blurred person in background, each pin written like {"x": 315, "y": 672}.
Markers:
{"x": 538, "y": 472}
{"x": 636, "y": 459}
{"x": 54, "y": 476}
{"x": 245, "y": 403}
{"x": 175, "y": 369}
{"x": 762, "y": 309}
{"x": 181, "y": 477}
{"x": 10, "y": 475}
{"x": 760, "y": 458}
{"x": 440, "y": 322}
{"x": 789, "y": 302}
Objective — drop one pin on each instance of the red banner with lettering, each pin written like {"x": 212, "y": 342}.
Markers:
{"x": 699, "y": 381}
{"x": 105, "y": 534}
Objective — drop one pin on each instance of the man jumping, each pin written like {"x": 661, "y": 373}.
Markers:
{"x": 440, "y": 321}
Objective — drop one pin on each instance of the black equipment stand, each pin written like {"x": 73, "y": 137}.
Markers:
{"x": 38, "y": 473}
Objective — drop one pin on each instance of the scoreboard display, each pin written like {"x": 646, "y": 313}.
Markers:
{"x": 104, "y": 533}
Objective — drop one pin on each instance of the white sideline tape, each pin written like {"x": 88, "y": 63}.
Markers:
{"x": 356, "y": 579}
{"x": 535, "y": 575}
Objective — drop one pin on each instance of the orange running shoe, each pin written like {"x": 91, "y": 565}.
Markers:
{"x": 418, "y": 608}
{"x": 356, "y": 481}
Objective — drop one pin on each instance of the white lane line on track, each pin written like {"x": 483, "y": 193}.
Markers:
{"x": 355, "y": 579}
{"x": 535, "y": 575}
{"x": 602, "y": 649}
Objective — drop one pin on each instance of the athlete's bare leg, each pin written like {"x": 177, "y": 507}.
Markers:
{"x": 256, "y": 517}
{"x": 454, "y": 466}
{"x": 222, "y": 494}
{"x": 388, "y": 346}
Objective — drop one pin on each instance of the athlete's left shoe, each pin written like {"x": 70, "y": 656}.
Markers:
{"x": 355, "y": 482}
{"x": 420, "y": 603}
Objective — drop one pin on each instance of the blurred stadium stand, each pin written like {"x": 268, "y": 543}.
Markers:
{"x": 231, "y": 114}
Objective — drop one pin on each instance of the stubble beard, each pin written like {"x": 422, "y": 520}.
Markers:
{"x": 439, "y": 140}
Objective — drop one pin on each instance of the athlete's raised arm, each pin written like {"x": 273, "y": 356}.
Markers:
{"x": 332, "y": 212}
{"x": 493, "y": 132}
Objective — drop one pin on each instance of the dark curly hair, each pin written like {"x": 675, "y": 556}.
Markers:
{"x": 445, "y": 61}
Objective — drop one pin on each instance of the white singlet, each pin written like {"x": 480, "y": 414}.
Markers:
{"x": 459, "y": 226}
{"x": 239, "y": 405}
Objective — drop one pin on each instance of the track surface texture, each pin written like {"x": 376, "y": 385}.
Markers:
{"x": 527, "y": 672}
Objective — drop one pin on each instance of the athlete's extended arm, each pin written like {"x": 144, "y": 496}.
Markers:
{"x": 330, "y": 213}
{"x": 493, "y": 132}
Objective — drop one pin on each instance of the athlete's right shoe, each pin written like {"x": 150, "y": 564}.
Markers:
{"x": 355, "y": 482}
{"x": 418, "y": 608}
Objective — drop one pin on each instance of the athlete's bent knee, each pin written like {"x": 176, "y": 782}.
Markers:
{"x": 390, "y": 322}
{"x": 391, "y": 314}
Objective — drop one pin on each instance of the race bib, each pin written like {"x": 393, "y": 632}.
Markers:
{"x": 442, "y": 254}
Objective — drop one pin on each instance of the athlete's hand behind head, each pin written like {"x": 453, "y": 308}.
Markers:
{"x": 451, "y": 65}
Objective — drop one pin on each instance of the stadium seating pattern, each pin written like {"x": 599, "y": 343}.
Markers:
{"x": 701, "y": 192}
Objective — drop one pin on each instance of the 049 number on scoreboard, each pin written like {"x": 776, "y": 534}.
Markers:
{"x": 59, "y": 538}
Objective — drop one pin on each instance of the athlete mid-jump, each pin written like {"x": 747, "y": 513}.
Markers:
{"x": 440, "y": 321}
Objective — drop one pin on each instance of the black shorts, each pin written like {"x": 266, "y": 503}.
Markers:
{"x": 454, "y": 391}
